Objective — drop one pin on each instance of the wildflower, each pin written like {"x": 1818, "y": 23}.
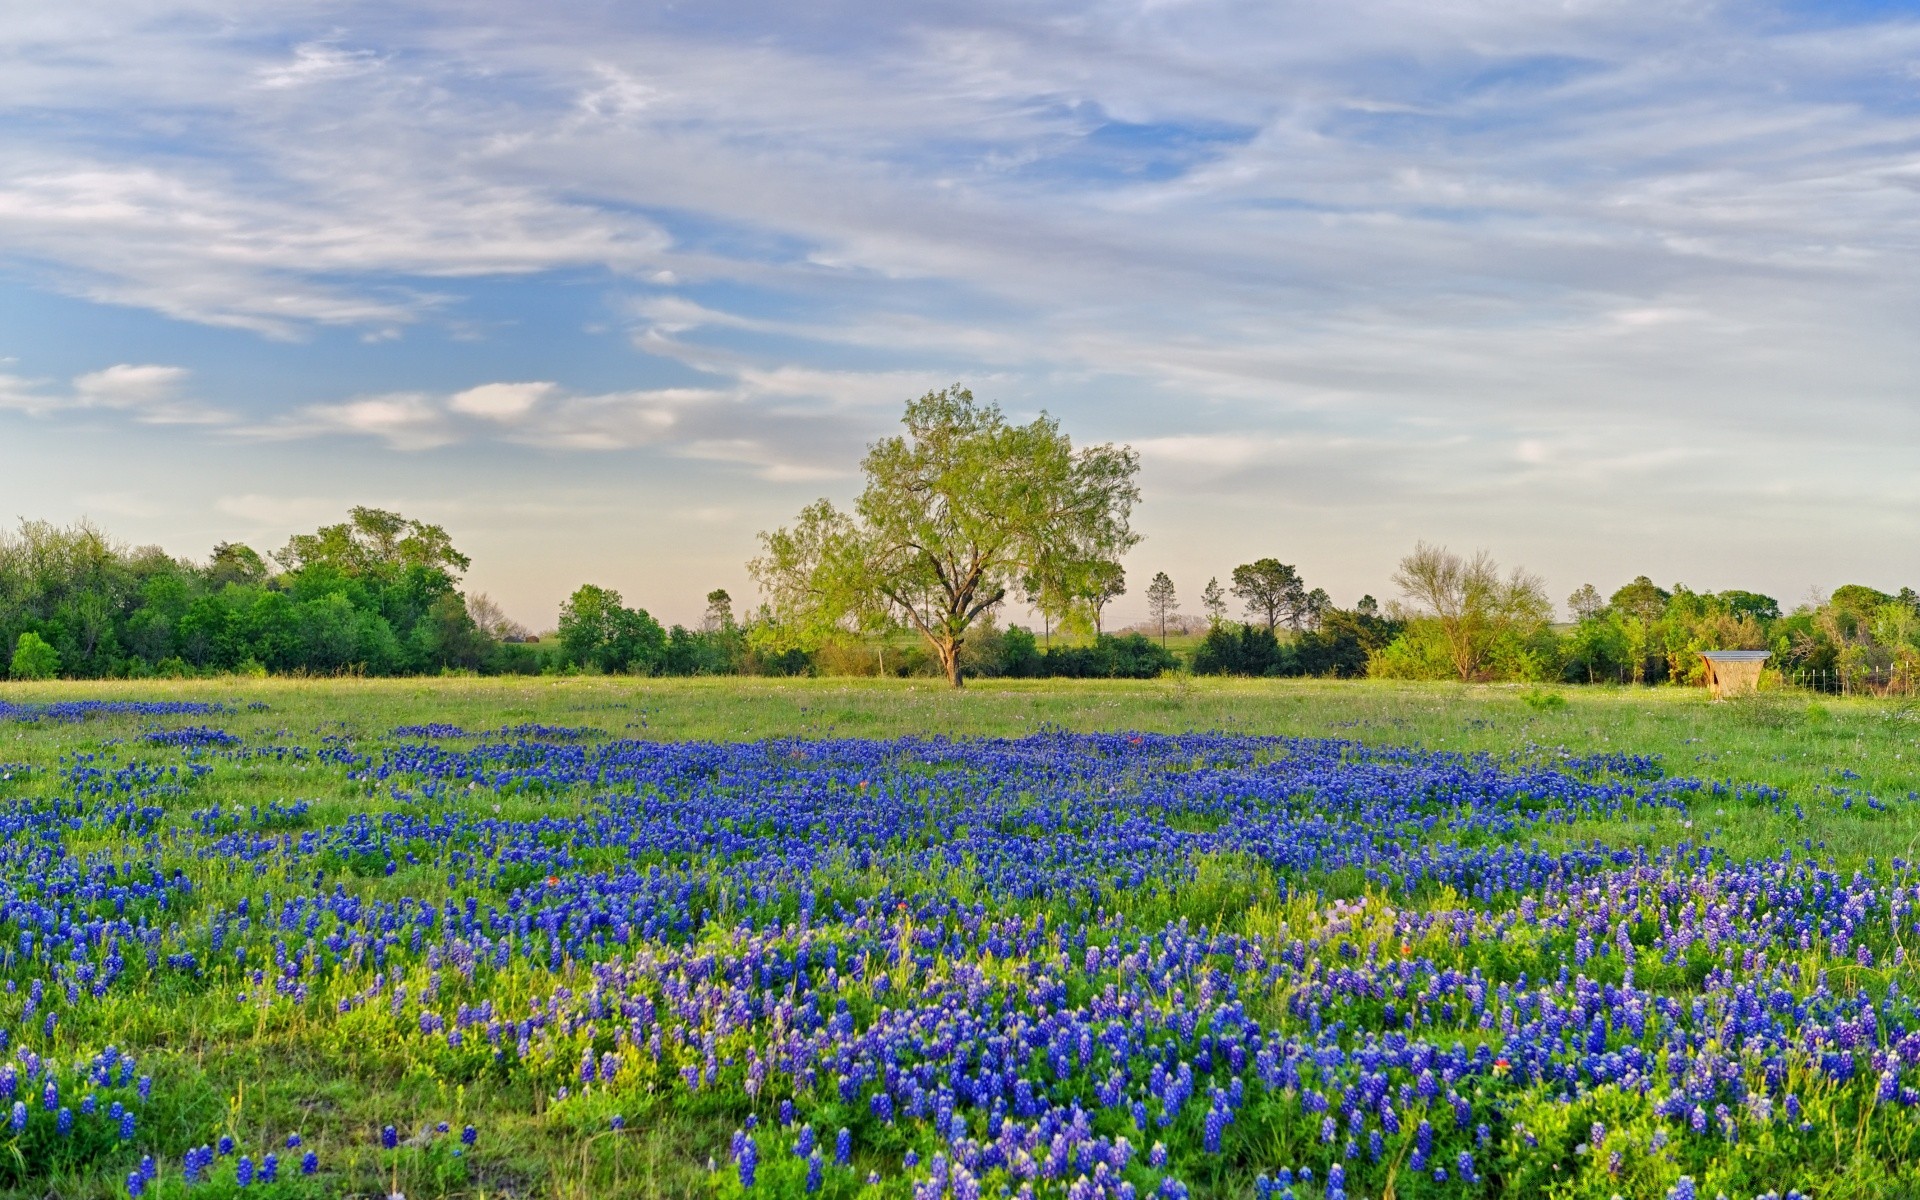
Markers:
{"x": 748, "y": 1159}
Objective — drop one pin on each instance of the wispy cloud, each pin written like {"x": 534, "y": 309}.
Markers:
{"x": 751, "y": 424}
{"x": 149, "y": 393}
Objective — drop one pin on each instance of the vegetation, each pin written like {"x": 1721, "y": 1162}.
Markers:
{"x": 957, "y": 516}
{"x": 962, "y": 508}
{"x": 572, "y": 915}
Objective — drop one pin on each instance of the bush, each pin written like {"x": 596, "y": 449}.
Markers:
{"x": 1134, "y": 656}
{"x": 1231, "y": 649}
{"x": 33, "y": 658}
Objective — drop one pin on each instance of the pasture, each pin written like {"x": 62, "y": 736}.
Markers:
{"x": 631, "y": 937}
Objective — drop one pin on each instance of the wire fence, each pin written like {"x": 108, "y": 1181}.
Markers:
{"x": 1856, "y": 681}
{"x": 1859, "y": 681}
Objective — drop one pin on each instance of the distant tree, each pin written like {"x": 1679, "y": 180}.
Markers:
{"x": 1367, "y": 607}
{"x": 448, "y": 636}
{"x": 33, "y": 658}
{"x": 1641, "y": 599}
{"x": 1858, "y": 599}
{"x": 1586, "y": 603}
{"x": 955, "y": 512}
{"x": 1214, "y": 600}
{"x": 1040, "y": 590}
{"x": 1272, "y": 591}
{"x": 374, "y": 542}
{"x": 1752, "y": 605}
{"x": 1104, "y": 583}
{"x": 596, "y": 630}
{"x": 719, "y": 614}
{"x": 233, "y": 562}
{"x": 1316, "y": 607}
{"x": 1471, "y": 605}
{"x": 490, "y": 619}
{"x": 1161, "y": 602}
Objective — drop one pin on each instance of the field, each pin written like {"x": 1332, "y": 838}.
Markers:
{"x": 618, "y": 937}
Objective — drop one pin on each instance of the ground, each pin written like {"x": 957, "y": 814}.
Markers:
{"x": 356, "y": 773}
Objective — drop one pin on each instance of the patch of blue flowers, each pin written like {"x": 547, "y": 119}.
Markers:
{"x": 1098, "y": 966}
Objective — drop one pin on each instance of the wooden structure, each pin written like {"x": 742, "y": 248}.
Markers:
{"x": 1730, "y": 672}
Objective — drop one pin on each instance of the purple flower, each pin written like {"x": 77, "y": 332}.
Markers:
{"x": 748, "y": 1158}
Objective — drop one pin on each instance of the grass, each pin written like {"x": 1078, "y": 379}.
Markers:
{"x": 263, "y": 1073}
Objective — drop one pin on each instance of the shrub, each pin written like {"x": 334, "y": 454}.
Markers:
{"x": 33, "y": 658}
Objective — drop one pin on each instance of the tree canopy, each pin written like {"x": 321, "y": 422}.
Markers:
{"x": 1273, "y": 592}
{"x": 956, "y": 511}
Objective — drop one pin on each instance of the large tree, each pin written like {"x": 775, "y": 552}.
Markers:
{"x": 1272, "y": 591}
{"x": 375, "y": 543}
{"x": 1474, "y": 607}
{"x": 954, "y": 512}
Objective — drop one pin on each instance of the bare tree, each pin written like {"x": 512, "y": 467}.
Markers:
{"x": 1162, "y": 603}
{"x": 1474, "y": 606}
{"x": 489, "y": 619}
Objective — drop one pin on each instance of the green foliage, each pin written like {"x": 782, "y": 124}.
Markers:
{"x": 1231, "y": 649}
{"x": 962, "y": 508}
{"x": 598, "y": 633}
{"x": 1015, "y": 654}
{"x": 33, "y": 658}
{"x": 374, "y": 595}
{"x": 1488, "y": 626}
{"x": 1272, "y": 591}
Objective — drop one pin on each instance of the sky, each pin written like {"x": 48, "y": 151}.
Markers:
{"x": 1606, "y": 287}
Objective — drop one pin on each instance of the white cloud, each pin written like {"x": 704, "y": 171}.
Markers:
{"x": 150, "y": 393}
{"x": 502, "y": 402}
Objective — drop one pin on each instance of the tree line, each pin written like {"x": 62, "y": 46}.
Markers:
{"x": 376, "y": 594}
{"x": 961, "y": 515}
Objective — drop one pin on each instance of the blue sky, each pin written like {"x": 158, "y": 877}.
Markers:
{"x": 1607, "y": 286}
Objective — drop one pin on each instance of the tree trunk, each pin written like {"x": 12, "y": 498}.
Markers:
{"x": 949, "y": 653}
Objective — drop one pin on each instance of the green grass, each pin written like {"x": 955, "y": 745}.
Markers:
{"x": 217, "y": 1068}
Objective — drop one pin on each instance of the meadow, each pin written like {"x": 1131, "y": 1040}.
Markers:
{"x": 632, "y": 937}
